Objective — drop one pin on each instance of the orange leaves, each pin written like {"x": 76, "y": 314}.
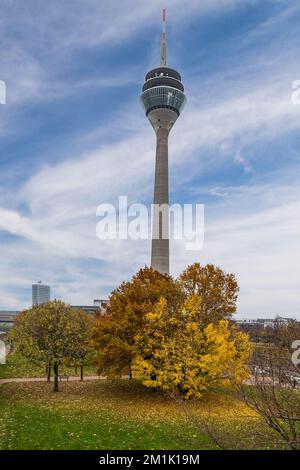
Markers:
{"x": 113, "y": 337}
{"x": 217, "y": 289}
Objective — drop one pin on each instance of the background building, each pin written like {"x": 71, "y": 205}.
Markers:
{"x": 247, "y": 324}
{"x": 7, "y": 318}
{"x": 98, "y": 307}
{"x": 40, "y": 294}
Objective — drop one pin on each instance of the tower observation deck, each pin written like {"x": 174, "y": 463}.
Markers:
{"x": 163, "y": 99}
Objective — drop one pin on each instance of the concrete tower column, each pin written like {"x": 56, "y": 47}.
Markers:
{"x": 162, "y": 121}
{"x": 160, "y": 224}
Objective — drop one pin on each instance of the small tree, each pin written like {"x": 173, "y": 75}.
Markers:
{"x": 50, "y": 334}
{"x": 178, "y": 354}
{"x": 218, "y": 291}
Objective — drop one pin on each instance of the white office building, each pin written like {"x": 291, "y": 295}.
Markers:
{"x": 40, "y": 294}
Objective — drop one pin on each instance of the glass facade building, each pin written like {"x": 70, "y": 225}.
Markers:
{"x": 40, "y": 294}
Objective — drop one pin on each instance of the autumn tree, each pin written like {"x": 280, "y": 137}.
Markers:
{"x": 179, "y": 354}
{"x": 113, "y": 334}
{"x": 51, "y": 334}
{"x": 218, "y": 291}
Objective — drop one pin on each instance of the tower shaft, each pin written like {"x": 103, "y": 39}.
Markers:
{"x": 162, "y": 121}
{"x": 160, "y": 224}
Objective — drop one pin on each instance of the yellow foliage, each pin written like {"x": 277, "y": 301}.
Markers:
{"x": 179, "y": 354}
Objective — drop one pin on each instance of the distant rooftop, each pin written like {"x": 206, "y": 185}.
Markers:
{"x": 9, "y": 312}
{"x": 265, "y": 320}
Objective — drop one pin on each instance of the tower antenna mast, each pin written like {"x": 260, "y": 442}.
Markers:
{"x": 163, "y": 55}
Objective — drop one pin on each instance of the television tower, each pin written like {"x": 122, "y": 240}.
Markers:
{"x": 163, "y": 99}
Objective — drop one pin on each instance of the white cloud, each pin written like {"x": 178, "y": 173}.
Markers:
{"x": 254, "y": 232}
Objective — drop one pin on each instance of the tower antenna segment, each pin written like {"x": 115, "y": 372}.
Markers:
{"x": 163, "y": 55}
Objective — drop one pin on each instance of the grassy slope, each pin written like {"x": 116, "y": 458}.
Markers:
{"x": 97, "y": 415}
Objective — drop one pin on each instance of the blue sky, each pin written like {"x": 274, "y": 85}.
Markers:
{"x": 73, "y": 135}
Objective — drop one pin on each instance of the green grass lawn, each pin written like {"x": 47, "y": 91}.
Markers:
{"x": 102, "y": 414}
{"x": 95, "y": 415}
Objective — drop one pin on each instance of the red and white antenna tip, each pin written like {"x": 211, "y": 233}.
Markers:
{"x": 164, "y": 26}
{"x": 163, "y": 56}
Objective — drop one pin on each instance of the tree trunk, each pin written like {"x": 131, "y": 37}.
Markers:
{"x": 153, "y": 377}
{"x": 55, "y": 367}
{"x": 48, "y": 371}
{"x": 130, "y": 373}
{"x": 81, "y": 373}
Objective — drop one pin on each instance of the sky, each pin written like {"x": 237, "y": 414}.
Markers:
{"x": 73, "y": 135}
